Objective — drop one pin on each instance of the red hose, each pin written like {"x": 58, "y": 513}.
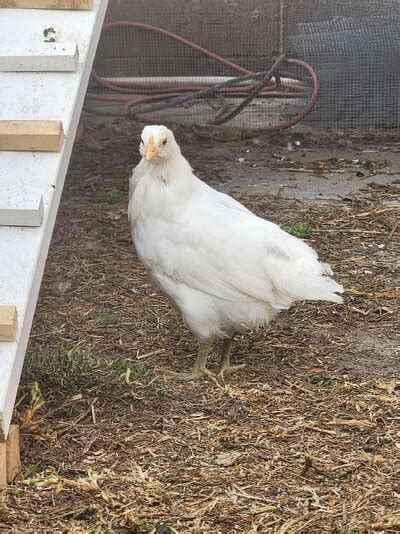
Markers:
{"x": 131, "y": 94}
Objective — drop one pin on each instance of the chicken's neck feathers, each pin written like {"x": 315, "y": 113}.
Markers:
{"x": 175, "y": 171}
{"x": 162, "y": 191}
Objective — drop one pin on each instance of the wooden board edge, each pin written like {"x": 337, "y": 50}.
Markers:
{"x": 76, "y": 57}
{"x": 8, "y": 396}
{"x": 83, "y": 5}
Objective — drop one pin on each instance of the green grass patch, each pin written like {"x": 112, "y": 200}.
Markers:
{"x": 78, "y": 369}
{"x": 73, "y": 369}
{"x": 104, "y": 319}
{"x": 298, "y": 230}
{"x": 114, "y": 195}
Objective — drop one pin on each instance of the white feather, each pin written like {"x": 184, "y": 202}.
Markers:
{"x": 222, "y": 266}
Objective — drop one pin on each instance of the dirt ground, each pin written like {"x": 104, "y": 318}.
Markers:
{"x": 306, "y": 438}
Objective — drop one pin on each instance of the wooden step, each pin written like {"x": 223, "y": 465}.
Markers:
{"x": 40, "y": 57}
{"x": 36, "y": 136}
{"x": 8, "y": 323}
{"x": 21, "y": 208}
{"x": 47, "y": 4}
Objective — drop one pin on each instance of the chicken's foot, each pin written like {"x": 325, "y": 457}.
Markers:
{"x": 199, "y": 368}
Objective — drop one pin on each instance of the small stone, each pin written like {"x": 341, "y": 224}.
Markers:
{"x": 315, "y": 379}
{"x": 62, "y": 287}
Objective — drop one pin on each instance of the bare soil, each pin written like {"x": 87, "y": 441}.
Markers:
{"x": 305, "y": 439}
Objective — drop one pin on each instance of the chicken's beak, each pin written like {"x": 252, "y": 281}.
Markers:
{"x": 151, "y": 150}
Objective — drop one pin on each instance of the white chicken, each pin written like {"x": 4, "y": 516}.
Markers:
{"x": 222, "y": 267}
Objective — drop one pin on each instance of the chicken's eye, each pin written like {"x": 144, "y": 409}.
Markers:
{"x": 164, "y": 142}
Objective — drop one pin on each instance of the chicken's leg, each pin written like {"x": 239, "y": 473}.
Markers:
{"x": 199, "y": 369}
{"x": 225, "y": 366}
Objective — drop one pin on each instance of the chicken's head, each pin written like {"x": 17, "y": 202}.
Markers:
{"x": 157, "y": 144}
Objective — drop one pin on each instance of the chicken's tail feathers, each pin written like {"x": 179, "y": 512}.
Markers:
{"x": 315, "y": 288}
{"x": 306, "y": 279}
{"x": 325, "y": 288}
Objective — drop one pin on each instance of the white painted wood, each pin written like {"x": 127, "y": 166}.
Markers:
{"x": 41, "y": 96}
{"x": 21, "y": 208}
{"x": 38, "y": 57}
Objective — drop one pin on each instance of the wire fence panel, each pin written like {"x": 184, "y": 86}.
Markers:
{"x": 151, "y": 63}
{"x": 356, "y": 58}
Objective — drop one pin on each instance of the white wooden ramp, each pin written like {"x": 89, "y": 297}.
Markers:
{"x": 31, "y": 182}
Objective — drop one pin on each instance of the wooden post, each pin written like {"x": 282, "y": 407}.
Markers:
{"x": 3, "y": 463}
{"x": 10, "y": 463}
{"x": 79, "y": 131}
{"x": 12, "y": 454}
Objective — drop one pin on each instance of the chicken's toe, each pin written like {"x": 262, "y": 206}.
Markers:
{"x": 195, "y": 374}
{"x": 229, "y": 369}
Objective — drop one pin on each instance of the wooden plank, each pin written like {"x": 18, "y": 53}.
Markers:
{"x": 47, "y": 4}
{"x": 39, "y": 96}
{"x": 3, "y": 463}
{"x": 40, "y": 57}
{"x": 21, "y": 208}
{"x": 8, "y": 323}
{"x": 13, "y": 461}
{"x": 36, "y": 136}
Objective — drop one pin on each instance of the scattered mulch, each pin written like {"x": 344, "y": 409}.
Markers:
{"x": 304, "y": 439}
